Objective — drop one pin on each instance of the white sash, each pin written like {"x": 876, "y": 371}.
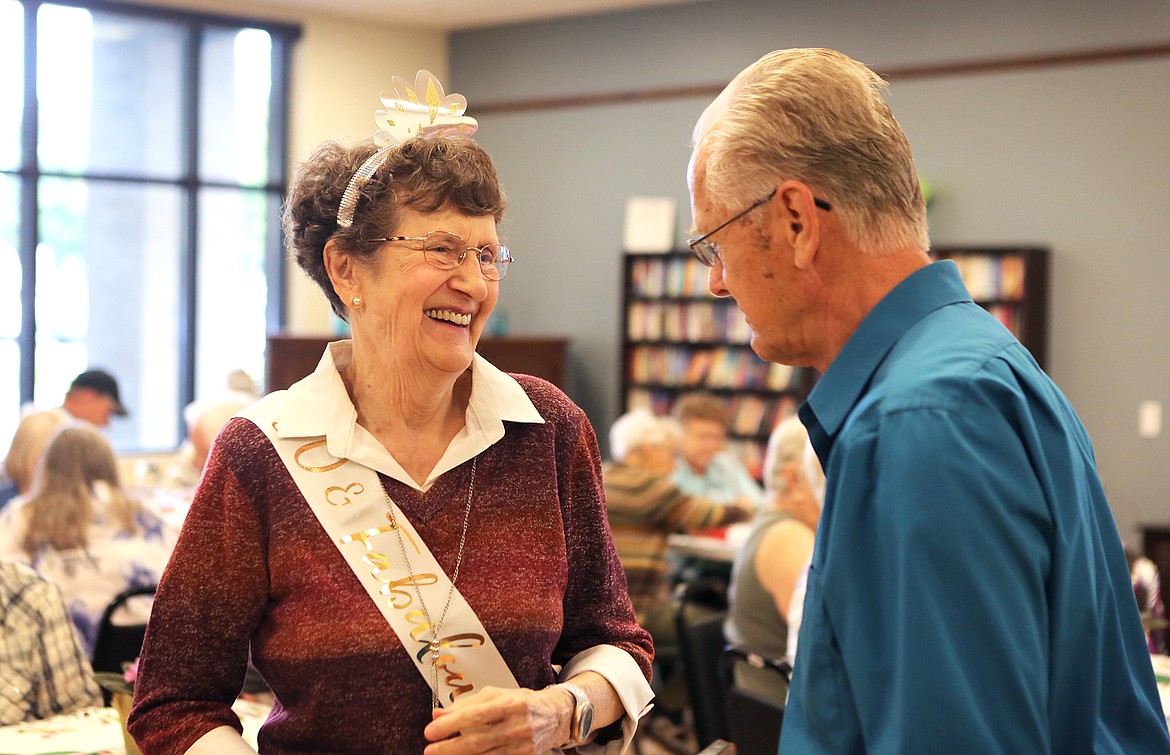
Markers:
{"x": 349, "y": 502}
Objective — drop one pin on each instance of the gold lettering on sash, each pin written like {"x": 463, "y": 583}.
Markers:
{"x": 393, "y": 589}
{"x": 399, "y": 598}
{"x": 357, "y": 488}
{"x": 419, "y": 618}
{"x": 451, "y": 678}
{"x": 446, "y": 662}
{"x": 364, "y": 536}
{"x": 309, "y": 447}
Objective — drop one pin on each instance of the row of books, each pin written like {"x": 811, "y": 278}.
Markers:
{"x": 674, "y": 275}
{"x": 716, "y": 367}
{"x": 751, "y": 415}
{"x": 991, "y": 276}
{"x": 703, "y": 321}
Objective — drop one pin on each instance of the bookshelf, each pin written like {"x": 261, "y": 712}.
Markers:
{"x": 1010, "y": 283}
{"x": 678, "y": 338}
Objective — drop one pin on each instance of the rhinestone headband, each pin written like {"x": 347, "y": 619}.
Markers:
{"x": 409, "y": 115}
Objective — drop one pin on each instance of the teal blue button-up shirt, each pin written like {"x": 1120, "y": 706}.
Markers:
{"x": 968, "y": 590}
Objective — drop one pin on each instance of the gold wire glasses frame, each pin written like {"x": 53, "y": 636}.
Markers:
{"x": 446, "y": 251}
{"x": 707, "y": 252}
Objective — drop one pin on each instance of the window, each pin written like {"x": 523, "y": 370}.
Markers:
{"x": 142, "y": 164}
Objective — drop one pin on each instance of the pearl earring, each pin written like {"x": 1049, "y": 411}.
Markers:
{"x": 357, "y": 301}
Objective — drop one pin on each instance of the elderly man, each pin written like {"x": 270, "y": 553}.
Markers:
{"x": 93, "y": 397}
{"x": 968, "y": 589}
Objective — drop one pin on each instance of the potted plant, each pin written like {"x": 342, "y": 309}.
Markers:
{"x": 121, "y": 689}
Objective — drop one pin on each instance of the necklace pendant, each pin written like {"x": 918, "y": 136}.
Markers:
{"x": 435, "y": 649}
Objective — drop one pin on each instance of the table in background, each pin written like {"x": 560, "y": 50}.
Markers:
{"x": 713, "y": 549}
{"x": 97, "y": 731}
{"x": 703, "y": 563}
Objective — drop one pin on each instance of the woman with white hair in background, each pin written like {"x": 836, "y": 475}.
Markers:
{"x": 768, "y": 575}
{"x": 645, "y": 506}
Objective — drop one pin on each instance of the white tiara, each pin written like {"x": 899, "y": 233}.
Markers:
{"x": 408, "y": 115}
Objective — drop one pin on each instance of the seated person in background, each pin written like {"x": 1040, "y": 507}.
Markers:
{"x": 705, "y": 467}
{"x": 205, "y": 417}
{"x": 209, "y": 420}
{"x": 644, "y": 506}
{"x": 1147, "y": 588}
{"x": 767, "y": 574}
{"x": 93, "y": 397}
{"x": 28, "y": 443}
{"x": 43, "y": 669}
{"x": 79, "y": 528}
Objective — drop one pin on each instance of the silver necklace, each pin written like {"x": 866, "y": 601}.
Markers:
{"x": 435, "y": 627}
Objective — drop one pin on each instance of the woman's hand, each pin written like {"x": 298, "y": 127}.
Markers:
{"x": 502, "y": 721}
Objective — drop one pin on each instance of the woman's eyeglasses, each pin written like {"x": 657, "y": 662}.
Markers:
{"x": 446, "y": 251}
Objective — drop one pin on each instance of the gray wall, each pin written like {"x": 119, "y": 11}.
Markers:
{"x": 1074, "y": 157}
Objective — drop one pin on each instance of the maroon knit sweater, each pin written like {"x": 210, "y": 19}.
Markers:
{"x": 253, "y": 568}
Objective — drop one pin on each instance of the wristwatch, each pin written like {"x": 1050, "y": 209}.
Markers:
{"x": 581, "y": 725}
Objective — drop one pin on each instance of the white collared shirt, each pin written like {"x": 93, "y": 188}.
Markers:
{"x": 320, "y": 405}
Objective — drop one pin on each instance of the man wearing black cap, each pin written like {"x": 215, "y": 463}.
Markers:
{"x": 93, "y": 397}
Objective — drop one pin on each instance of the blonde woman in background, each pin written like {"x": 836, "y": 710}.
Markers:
{"x": 767, "y": 578}
{"x": 79, "y": 528}
{"x": 28, "y": 443}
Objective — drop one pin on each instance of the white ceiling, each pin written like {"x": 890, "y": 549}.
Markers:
{"x": 463, "y": 14}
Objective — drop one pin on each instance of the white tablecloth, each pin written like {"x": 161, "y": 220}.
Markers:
{"x": 97, "y": 731}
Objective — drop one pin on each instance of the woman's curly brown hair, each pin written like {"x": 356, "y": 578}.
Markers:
{"x": 425, "y": 174}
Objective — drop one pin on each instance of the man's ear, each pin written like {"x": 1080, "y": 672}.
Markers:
{"x": 342, "y": 270}
{"x": 795, "y": 215}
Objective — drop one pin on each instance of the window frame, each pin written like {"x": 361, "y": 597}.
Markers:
{"x": 188, "y": 183}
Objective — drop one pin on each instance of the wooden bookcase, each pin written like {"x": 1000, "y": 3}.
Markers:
{"x": 678, "y": 338}
{"x": 290, "y": 358}
{"x": 1010, "y": 283}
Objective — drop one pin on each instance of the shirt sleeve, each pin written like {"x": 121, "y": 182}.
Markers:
{"x": 68, "y": 682}
{"x": 694, "y": 513}
{"x": 623, "y": 674}
{"x": 597, "y": 609}
{"x": 940, "y": 527}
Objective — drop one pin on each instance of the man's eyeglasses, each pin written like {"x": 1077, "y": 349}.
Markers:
{"x": 707, "y": 252}
{"x": 446, "y": 251}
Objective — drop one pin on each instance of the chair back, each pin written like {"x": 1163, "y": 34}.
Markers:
{"x": 116, "y": 644}
{"x": 700, "y": 644}
{"x": 754, "y": 721}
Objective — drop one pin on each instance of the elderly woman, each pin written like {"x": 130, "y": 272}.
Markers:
{"x": 767, "y": 579}
{"x": 411, "y": 543}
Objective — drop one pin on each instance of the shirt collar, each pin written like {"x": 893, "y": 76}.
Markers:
{"x": 319, "y": 405}
{"x": 841, "y": 386}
